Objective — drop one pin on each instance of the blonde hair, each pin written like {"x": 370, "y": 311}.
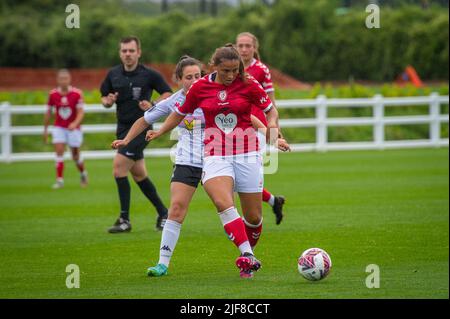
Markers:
{"x": 255, "y": 43}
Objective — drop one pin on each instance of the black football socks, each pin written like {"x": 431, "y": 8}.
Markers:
{"x": 123, "y": 186}
{"x": 150, "y": 192}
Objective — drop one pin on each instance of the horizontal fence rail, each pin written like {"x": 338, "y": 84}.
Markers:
{"x": 320, "y": 122}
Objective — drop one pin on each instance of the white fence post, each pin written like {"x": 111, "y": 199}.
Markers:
{"x": 378, "y": 114}
{"x": 435, "y": 124}
{"x": 6, "y": 128}
{"x": 321, "y": 128}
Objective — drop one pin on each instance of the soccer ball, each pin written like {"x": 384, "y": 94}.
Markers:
{"x": 314, "y": 264}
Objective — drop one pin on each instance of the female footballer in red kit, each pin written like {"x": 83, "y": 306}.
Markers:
{"x": 232, "y": 161}
{"x": 247, "y": 45}
{"x": 67, "y": 101}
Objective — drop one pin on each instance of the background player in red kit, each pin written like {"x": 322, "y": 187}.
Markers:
{"x": 67, "y": 101}
{"x": 247, "y": 45}
{"x": 232, "y": 159}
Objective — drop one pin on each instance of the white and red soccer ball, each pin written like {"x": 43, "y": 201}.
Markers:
{"x": 314, "y": 264}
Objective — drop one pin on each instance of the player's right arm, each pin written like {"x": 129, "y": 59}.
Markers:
{"x": 47, "y": 117}
{"x": 110, "y": 99}
{"x": 138, "y": 127}
{"x": 169, "y": 124}
{"x": 152, "y": 115}
{"x": 106, "y": 90}
{"x": 180, "y": 111}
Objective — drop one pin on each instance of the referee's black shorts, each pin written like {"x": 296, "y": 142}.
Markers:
{"x": 135, "y": 149}
{"x": 189, "y": 175}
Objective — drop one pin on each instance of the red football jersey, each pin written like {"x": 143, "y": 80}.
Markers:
{"x": 227, "y": 110}
{"x": 260, "y": 115}
{"x": 65, "y": 105}
{"x": 261, "y": 73}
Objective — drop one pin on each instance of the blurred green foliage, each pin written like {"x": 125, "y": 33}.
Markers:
{"x": 309, "y": 39}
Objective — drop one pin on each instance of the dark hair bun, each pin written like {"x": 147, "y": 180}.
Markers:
{"x": 184, "y": 57}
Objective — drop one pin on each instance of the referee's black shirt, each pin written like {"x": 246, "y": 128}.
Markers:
{"x": 132, "y": 87}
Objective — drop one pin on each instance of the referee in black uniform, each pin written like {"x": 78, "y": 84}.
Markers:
{"x": 130, "y": 85}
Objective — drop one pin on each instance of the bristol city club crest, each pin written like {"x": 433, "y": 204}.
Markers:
{"x": 64, "y": 100}
{"x": 222, "y": 95}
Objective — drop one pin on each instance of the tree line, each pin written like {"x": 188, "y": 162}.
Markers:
{"x": 311, "y": 40}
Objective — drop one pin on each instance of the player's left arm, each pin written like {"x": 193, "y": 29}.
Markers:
{"x": 47, "y": 117}
{"x": 80, "y": 115}
{"x": 272, "y": 124}
{"x": 271, "y": 95}
{"x": 258, "y": 125}
{"x": 262, "y": 100}
{"x": 270, "y": 90}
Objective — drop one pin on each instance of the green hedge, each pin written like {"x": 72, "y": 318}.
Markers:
{"x": 310, "y": 39}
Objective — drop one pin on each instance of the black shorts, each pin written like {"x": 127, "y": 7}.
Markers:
{"x": 189, "y": 175}
{"x": 135, "y": 149}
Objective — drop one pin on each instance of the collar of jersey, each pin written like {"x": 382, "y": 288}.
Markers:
{"x": 212, "y": 77}
{"x": 69, "y": 89}
{"x": 130, "y": 72}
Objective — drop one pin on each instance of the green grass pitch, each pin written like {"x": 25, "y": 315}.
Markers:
{"x": 389, "y": 208}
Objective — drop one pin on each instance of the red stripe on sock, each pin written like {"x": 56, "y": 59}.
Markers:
{"x": 266, "y": 195}
{"x": 236, "y": 231}
{"x": 253, "y": 234}
{"x": 59, "y": 169}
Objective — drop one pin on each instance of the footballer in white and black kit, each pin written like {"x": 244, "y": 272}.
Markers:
{"x": 190, "y": 146}
{"x": 132, "y": 87}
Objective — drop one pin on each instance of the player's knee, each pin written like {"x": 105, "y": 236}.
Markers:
{"x": 253, "y": 219}
{"x": 223, "y": 204}
{"x": 177, "y": 211}
{"x": 119, "y": 170}
{"x": 137, "y": 177}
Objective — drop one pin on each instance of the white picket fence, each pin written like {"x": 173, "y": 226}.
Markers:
{"x": 320, "y": 122}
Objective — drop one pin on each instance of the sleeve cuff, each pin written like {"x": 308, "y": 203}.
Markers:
{"x": 179, "y": 112}
{"x": 267, "y": 109}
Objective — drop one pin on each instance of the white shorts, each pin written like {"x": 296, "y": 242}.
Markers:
{"x": 245, "y": 169}
{"x": 62, "y": 135}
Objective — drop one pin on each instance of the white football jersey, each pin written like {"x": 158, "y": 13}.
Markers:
{"x": 190, "y": 147}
